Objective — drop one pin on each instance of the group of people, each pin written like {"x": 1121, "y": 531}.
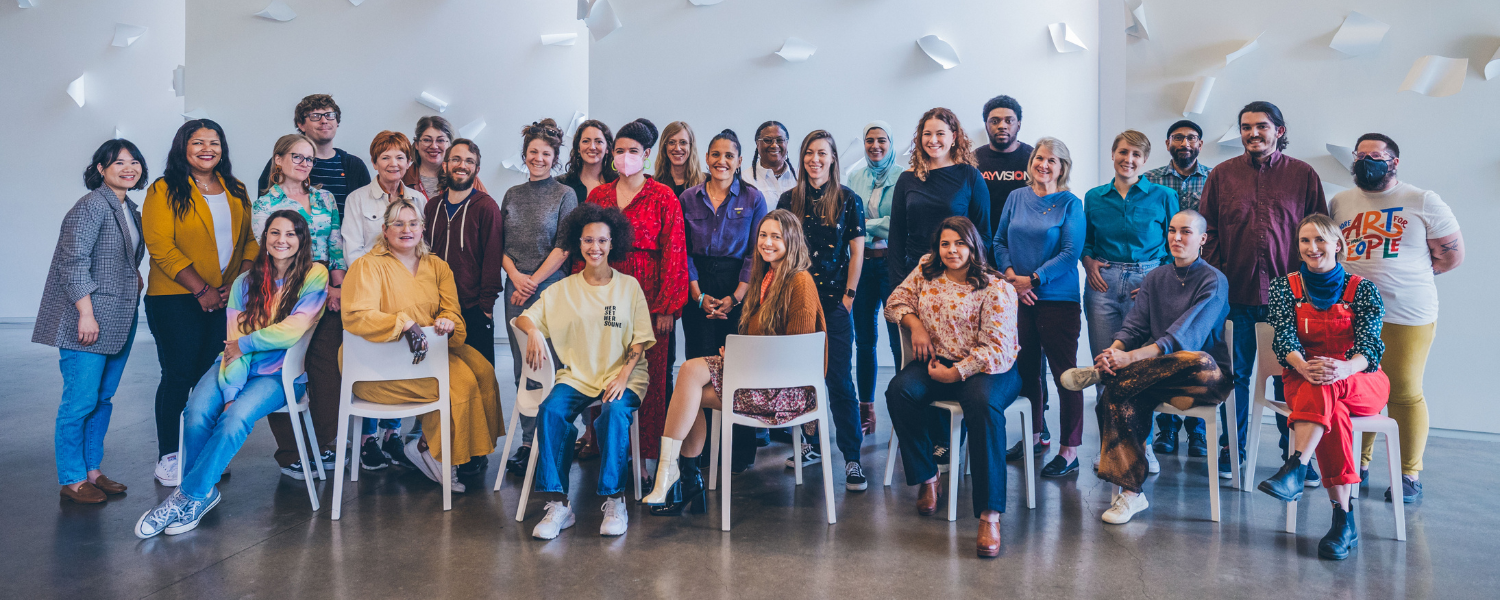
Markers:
{"x": 972, "y": 253}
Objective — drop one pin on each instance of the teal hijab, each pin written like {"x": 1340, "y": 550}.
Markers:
{"x": 881, "y": 172}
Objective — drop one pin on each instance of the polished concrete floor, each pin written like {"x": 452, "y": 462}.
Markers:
{"x": 394, "y": 540}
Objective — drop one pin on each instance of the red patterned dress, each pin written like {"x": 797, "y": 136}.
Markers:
{"x": 658, "y": 260}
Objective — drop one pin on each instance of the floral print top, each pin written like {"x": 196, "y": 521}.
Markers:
{"x": 323, "y": 224}
{"x": 1368, "y": 309}
{"x": 975, "y": 328}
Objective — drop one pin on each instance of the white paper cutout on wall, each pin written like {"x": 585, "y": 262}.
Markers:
{"x": 1198, "y": 99}
{"x": 126, "y": 35}
{"x": 796, "y": 49}
{"x": 578, "y": 118}
{"x": 1436, "y": 76}
{"x": 179, "y": 81}
{"x": 432, "y": 102}
{"x": 277, "y": 11}
{"x": 26, "y": 3}
{"x": 583, "y": 9}
{"x": 1137, "y": 17}
{"x": 472, "y": 130}
{"x": 1359, "y": 34}
{"x": 118, "y": 135}
{"x": 1249, "y": 47}
{"x": 1064, "y": 39}
{"x": 1343, "y": 154}
{"x": 939, "y": 50}
{"x": 602, "y": 20}
{"x": 515, "y": 163}
{"x": 356, "y": 2}
{"x": 559, "y": 39}
{"x": 75, "y": 91}
{"x": 705, "y": 2}
{"x": 1231, "y": 137}
{"x": 196, "y": 113}
{"x": 1492, "y": 68}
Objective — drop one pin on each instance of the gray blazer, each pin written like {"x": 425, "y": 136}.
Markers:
{"x": 94, "y": 257}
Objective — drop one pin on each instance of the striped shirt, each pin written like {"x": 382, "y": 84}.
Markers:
{"x": 329, "y": 173}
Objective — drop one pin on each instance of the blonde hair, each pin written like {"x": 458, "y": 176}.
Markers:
{"x": 693, "y": 170}
{"x": 283, "y": 147}
{"x": 961, "y": 153}
{"x": 1327, "y": 228}
{"x": 1134, "y": 138}
{"x": 770, "y": 315}
{"x": 392, "y": 212}
{"x": 1058, "y": 150}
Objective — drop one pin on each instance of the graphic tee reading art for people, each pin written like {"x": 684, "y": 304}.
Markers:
{"x": 1386, "y": 236}
{"x": 593, "y": 327}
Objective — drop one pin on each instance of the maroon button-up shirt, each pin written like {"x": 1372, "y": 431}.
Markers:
{"x": 1252, "y": 213}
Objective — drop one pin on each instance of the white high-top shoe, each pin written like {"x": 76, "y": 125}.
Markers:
{"x": 666, "y": 472}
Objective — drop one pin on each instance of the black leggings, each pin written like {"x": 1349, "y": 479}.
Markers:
{"x": 187, "y": 342}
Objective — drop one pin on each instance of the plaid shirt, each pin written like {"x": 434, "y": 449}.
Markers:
{"x": 1189, "y": 189}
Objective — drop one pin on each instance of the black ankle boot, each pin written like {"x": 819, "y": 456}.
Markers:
{"x": 1342, "y": 536}
{"x": 1286, "y": 485}
{"x": 687, "y": 493}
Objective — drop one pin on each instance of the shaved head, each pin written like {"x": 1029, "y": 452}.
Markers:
{"x": 1195, "y": 220}
{"x": 1185, "y": 236}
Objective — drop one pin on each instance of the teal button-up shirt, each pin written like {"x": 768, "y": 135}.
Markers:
{"x": 1128, "y": 230}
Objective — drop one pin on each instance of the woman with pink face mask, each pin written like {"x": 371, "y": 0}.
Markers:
{"x": 658, "y": 260}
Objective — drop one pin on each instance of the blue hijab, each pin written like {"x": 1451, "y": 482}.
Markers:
{"x": 881, "y": 173}
{"x": 1323, "y": 289}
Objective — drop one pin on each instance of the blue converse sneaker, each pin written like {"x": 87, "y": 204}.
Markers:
{"x": 156, "y": 520}
{"x": 193, "y": 511}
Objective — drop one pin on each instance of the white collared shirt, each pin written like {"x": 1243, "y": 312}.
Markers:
{"x": 364, "y": 216}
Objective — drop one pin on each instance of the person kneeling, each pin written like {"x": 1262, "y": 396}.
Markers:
{"x": 271, "y": 306}
{"x": 600, "y": 323}
{"x": 786, "y": 303}
{"x": 1177, "y": 329}
{"x": 962, "y": 317}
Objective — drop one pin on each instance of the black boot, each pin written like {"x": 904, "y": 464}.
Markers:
{"x": 687, "y": 493}
{"x": 1286, "y": 484}
{"x": 1342, "y": 536}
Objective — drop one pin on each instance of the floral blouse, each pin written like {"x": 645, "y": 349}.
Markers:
{"x": 323, "y": 224}
{"x": 976, "y": 328}
{"x": 1368, "y": 309}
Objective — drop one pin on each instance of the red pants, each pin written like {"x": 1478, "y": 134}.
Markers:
{"x": 1359, "y": 395}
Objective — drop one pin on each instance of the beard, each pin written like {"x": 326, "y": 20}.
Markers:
{"x": 1001, "y": 140}
{"x": 1185, "y": 158}
{"x": 1376, "y": 185}
{"x": 458, "y": 185}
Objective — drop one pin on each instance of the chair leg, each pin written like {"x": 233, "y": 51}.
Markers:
{"x": 355, "y": 435}
{"x": 725, "y": 433}
{"x": 713, "y": 449}
{"x": 1252, "y": 446}
{"x": 1030, "y": 458}
{"x": 1213, "y": 471}
{"x": 445, "y": 414}
{"x": 312, "y": 494}
{"x": 510, "y": 434}
{"x": 340, "y": 449}
{"x": 1356, "y": 439}
{"x": 890, "y": 457}
{"x": 1232, "y": 423}
{"x": 530, "y": 475}
{"x": 181, "y": 445}
{"x": 312, "y": 444}
{"x": 1291, "y": 517}
{"x": 823, "y": 427}
{"x": 797, "y": 451}
{"x": 635, "y": 455}
{"x": 955, "y": 421}
{"x": 1393, "y": 456}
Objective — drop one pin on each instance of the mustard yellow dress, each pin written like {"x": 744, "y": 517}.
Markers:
{"x": 381, "y": 299}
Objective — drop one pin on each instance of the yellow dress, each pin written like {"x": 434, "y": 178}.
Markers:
{"x": 381, "y": 299}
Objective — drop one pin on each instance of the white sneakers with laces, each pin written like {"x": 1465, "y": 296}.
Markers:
{"x": 1125, "y": 506}
{"x": 1153, "y": 466}
{"x": 167, "y": 473}
{"x": 559, "y": 517}
{"x": 615, "y": 517}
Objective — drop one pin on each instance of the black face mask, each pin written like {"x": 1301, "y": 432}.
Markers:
{"x": 1370, "y": 174}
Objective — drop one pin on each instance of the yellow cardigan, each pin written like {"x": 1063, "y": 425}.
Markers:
{"x": 176, "y": 244}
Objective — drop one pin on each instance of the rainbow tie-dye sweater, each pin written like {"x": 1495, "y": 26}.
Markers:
{"x": 264, "y": 349}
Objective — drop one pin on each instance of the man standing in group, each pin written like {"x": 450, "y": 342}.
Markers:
{"x": 463, "y": 229}
{"x": 1399, "y": 236}
{"x": 1002, "y": 162}
{"x": 1186, "y": 175}
{"x": 1252, "y": 204}
{"x": 317, "y": 117}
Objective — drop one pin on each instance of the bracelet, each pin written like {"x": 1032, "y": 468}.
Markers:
{"x": 199, "y": 294}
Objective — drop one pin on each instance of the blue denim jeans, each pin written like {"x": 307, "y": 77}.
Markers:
{"x": 89, "y": 383}
{"x": 843, "y": 405}
{"x": 1105, "y": 311}
{"x": 869, "y": 302}
{"x": 1244, "y": 317}
{"x": 556, "y": 434}
{"x": 213, "y": 432}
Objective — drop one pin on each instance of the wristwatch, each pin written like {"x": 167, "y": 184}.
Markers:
{"x": 849, "y": 293}
{"x": 1035, "y": 281}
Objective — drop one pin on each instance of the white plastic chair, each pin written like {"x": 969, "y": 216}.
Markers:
{"x": 547, "y": 376}
{"x": 772, "y": 361}
{"x": 291, "y": 368}
{"x": 1266, "y": 366}
{"x": 1021, "y": 405}
{"x": 391, "y": 361}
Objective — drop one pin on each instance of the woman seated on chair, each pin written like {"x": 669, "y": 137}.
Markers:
{"x": 784, "y": 302}
{"x": 599, "y": 322}
{"x": 1176, "y": 327}
{"x": 392, "y": 292}
{"x": 1328, "y": 339}
{"x": 962, "y": 318}
{"x": 245, "y": 383}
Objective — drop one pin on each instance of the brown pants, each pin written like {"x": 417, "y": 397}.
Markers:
{"x": 1183, "y": 379}
{"x": 323, "y": 380}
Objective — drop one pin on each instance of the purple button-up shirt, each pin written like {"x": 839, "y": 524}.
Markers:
{"x": 1252, "y": 213}
{"x": 726, "y": 233}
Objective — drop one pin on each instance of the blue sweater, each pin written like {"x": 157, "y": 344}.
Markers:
{"x": 1042, "y": 235}
{"x": 1180, "y": 310}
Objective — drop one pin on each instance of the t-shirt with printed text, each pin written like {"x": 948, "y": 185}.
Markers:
{"x": 1386, "y": 234}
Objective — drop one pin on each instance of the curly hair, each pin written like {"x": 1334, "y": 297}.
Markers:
{"x": 313, "y": 103}
{"x": 545, "y": 130}
{"x": 961, "y": 152}
{"x": 980, "y": 275}
{"x": 588, "y": 214}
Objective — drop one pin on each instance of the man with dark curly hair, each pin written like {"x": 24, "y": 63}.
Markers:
{"x": 318, "y": 117}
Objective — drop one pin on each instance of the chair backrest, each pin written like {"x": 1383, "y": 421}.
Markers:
{"x": 907, "y": 353}
{"x": 773, "y": 361}
{"x": 1266, "y": 364}
{"x": 391, "y": 361}
{"x": 293, "y": 364}
{"x": 547, "y": 375}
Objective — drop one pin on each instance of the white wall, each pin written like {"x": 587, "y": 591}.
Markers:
{"x": 1447, "y": 143}
{"x": 49, "y": 140}
{"x": 484, "y": 58}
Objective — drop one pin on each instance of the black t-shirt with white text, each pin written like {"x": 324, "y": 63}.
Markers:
{"x": 1004, "y": 172}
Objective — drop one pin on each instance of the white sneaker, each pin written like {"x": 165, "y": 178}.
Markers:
{"x": 166, "y": 471}
{"x": 615, "y": 517}
{"x": 1079, "y": 379}
{"x": 1096, "y": 465}
{"x": 424, "y": 461}
{"x": 1125, "y": 506}
{"x": 458, "y": 486}
{"x": 1152, "y": 465}
{"x": 559, "y": 517}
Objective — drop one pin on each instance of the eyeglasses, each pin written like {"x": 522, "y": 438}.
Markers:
{"x": 459, "y": 160}
{"x": 322, "y": 116}
{"x": 298, "y": 159}
{"x": 779, "y": 141}
{"x": 1179, "y": 138}
{"x": 589, "y": 241}
{"x": 1374, "y": 155}
{"x": 427, "y": 139}
{"x": 406, "y": 225}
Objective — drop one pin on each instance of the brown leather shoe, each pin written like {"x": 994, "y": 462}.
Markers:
{"x": 86, "y": 494}
{"x": 109, "y": 486}
{"x": 927, "y": 497}
{"x": 989, "y": 539}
